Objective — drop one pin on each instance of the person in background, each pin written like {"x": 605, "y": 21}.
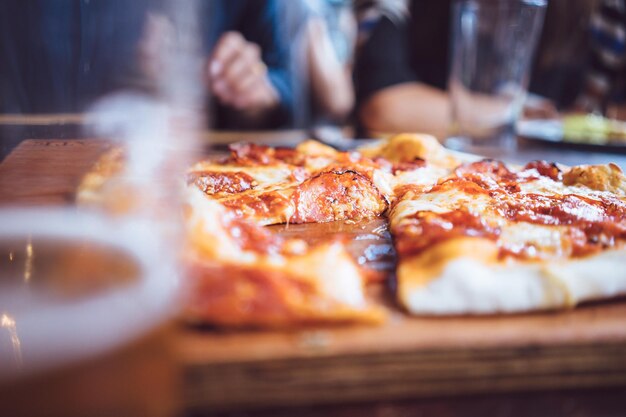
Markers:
{"x": 559, "y": 67}
{"x": 605, "y": 84}
{"x": 401, "y": 68}
{"x": 248, "y": 64}
{"x": 323, "y": 33}
{"x": 59, "y": 57}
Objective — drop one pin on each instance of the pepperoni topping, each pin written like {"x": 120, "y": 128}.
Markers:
{"x": 433, "y": 228}
{"x": 221, "y": 182}
{"x": 546, "y": 169}
{"x": 561, "y": 210}
{"x": 467, "y": 186}
{"x": 492, "y": 168}
{"x": 337, "y": 195}
{"x": 396, "y": 167}
{"x": 490, "y": 175}
{"x": 250, "y": 154}
{"x": 592, "y": 224}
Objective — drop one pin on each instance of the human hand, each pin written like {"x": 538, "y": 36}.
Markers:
{"x": 237, "y": 76}
{"x": 537, "y": 107}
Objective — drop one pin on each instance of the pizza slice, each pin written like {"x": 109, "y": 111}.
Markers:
{"x": 472, "y": 236}
{"x": 311, "y": 183}
{"x": 491, "y": 238}
{"x": 241, "y": 274}
{"x": 315, "y": 183}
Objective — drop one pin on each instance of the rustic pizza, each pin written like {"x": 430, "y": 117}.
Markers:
{"x": 492, "y": 238}
{"x": 472, "y": 236}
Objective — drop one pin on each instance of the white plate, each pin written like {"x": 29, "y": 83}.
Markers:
{"x": 41, "y": 335}
{"x": 546, "y": 129}
{"x": 550, "y": 131}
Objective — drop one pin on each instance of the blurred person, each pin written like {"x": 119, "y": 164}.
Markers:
{"x": 563, "y": 51}
{"x": 605, "y": 84}
{"x": 401, "y": 66}
{"x": 323, "y": 34}
{"x": 401, "y": 69}
{"x": 248, "y": 64}
{"x": 59, "y": 57}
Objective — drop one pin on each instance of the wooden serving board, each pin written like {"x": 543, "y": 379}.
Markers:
{"x": 404, "y": 358}
{"x": 46, "y": 171}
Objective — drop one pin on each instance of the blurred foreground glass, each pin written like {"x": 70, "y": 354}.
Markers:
{"x": 76, "y": 282}
{"x": 493, "y": 42}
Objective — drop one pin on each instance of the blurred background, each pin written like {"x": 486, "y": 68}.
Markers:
{"x": 321, "y": 68}
{"x": 173, "y": 73}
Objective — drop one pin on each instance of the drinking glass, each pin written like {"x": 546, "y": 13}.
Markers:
{"x": 493, "y": 42}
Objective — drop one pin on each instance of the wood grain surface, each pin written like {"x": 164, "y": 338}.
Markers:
{"x": 407, "y": 357}
{"x": 46, "y": 171}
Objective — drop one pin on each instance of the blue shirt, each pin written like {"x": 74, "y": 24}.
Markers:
{"x": 59, "y": 56}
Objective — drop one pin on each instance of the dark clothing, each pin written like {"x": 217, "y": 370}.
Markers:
{"x": 59, "y": 56}
{"x": 259, "y": 22}
{"x": 417, "y": 49}
{"x": 606, "y": 76}
{"x": 405, "y": 50}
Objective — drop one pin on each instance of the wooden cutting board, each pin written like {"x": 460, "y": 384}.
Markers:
{"x": 404, "y": 358}
{"x": 46, "y": 171}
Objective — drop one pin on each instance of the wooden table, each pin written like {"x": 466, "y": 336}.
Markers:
{"x": 510, "y": 366}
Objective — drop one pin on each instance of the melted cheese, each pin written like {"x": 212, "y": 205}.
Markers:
{"x": 548, "y": 187}
{"x": 530, "y": 239}
{"x": 539, "y": 241}
{"x": 467, "y": 278}
{"x": 425, "y": 176}
{"x": 266, "y": 176}
{"x": 438, "y": 202}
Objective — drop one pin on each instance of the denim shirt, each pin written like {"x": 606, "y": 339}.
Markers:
{"x": 59, "y": 56}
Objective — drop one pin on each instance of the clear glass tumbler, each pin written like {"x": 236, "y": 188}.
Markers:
{"x": 493, "y": 42}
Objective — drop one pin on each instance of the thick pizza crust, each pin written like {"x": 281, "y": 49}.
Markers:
{"x": 463, "y": 276}
{"x": 407, "y": 147}
{"x": 232, "y": 285}
{"x": 597, "y": 177}
{"x": 322, "y": 286}
{"x": 470, "y": 275}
